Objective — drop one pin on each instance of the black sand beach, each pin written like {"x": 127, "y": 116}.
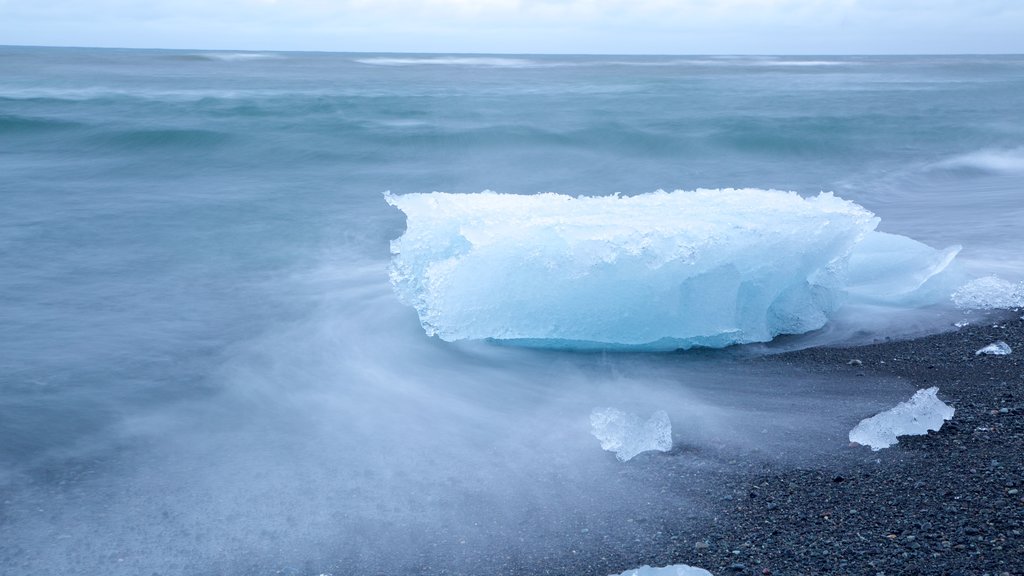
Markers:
{"x": 949, "y": 503}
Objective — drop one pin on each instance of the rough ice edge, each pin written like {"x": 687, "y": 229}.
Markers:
{"x": 923, "y": 413}
{"x": 997, "y": 348}
{"x": 673, "y": 570}
{"x": 627, "y": 434}
{"x": 989, "y": 293}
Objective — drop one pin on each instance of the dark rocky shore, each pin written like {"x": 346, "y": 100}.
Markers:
{"x": 951, "y": 502}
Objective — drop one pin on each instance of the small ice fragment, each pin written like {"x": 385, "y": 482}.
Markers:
{"x": 628, "y": 435}
{"x": 998, "y": 348}
{"x": 673, "y": 570}
{"x": 917, "y": 416}
{"x": 989, "y": 292}
{"x": 961, "y": 323}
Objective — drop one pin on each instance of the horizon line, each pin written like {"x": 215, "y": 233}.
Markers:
{"x": 468, "y": 53}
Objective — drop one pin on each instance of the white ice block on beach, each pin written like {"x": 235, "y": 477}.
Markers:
{"x": 673, "y": 570}
{"x": 655, "y": 271}
{"x": 628, "y": 434}
{"x": 997, "y": 348}
{"x": 924, "y": 412}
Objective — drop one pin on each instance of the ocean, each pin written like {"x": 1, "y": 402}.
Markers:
{"x": 204, "y": 369}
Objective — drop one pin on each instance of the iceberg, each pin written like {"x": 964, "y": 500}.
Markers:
{"x": 657, "y": 271}
{"x": 924, "y": 412}
{"x": 628, "y": 435}
{"x": 673, "y": 570}
{"x": 997, "y": 348}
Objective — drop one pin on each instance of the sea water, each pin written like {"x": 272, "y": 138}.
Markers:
{"x": 204, "y": 369}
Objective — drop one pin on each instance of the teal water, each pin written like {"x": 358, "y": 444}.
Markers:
{"x": 203, "y": 369}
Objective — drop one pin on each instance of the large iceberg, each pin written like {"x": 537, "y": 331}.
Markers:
{"x": 924, "y": 412}
{"x": 663, "y": 270}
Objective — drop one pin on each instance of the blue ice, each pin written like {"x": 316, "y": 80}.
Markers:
{"x": 656, "y": 271}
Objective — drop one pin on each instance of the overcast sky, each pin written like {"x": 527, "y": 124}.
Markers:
{"x": 526, "y": 26}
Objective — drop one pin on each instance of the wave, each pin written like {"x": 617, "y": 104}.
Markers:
{"x": 798, "y": 63}
{"x": 227, "y": 56}
{"x": 164, "y": 138}
{"x": 479, "y": 61}
{"x": 547, "y": 62}
{"x": 23, "y": 124}
{"x": 182, "y": 95}
{"x": 990, "y": 160}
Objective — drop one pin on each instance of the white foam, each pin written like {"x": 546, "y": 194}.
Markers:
{"x": 1005, "y": 160}
{"x": 240, "y": 56}
{"x": 653, "y": 271}
{"x": 924, "y": 412}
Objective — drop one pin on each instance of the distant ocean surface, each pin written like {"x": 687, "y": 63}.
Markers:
{"x": 203, "y": 369}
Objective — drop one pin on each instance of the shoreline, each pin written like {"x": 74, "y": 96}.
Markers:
{"x": 950, "y": 502}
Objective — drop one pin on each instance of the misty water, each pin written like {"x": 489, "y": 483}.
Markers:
{"x": 204, "y": 369}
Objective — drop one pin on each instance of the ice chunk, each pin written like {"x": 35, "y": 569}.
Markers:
{"x": 998, "y": 348}
{"x": 922, "y": 413}
{"x": 663, "y": 270}
{"x": 892, "y": 269}
{"x": 673, "y": 570}
{"x": 628, "y": 435}
{"x": 988, "y": 293}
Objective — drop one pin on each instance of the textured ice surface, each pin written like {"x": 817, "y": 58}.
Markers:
{"x": 923, "y": 412}
{"x": 662, "y": 270}
{"x": 998, "y": 348}
{"x": 628, "y": 435}
{"x": 988, "y": 293}
{"x": 673, "y": 570}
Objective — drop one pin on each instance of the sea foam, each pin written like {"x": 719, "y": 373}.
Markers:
{"x": 990, "y": 160}
{"x": 663, "y": 270}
